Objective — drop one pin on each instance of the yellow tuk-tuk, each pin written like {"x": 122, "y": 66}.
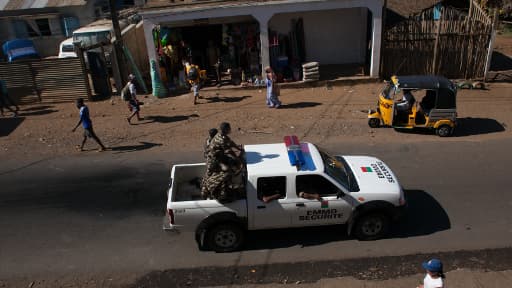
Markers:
{"x": 435, "y": 109}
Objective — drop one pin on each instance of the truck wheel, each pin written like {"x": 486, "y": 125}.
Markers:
{"x": 374, "y": 122}
{"x": 444, "y": 131}
{"x": 371, "y": 226}
{"x": 225, "y": 238}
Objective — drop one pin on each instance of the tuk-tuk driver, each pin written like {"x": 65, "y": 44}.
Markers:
{"x": 407, "y": 101}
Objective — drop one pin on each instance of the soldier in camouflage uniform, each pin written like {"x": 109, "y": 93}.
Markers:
{"x": 223, "y": 161}
{"x": 209, "y": 165}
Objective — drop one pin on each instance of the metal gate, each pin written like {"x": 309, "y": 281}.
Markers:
{"x": 46, "y": 80}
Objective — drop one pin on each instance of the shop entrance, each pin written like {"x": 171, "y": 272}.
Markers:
{"x": 228, "y": 52}
{"x": 205, "y": 43}
{"x": 338, "y": 39}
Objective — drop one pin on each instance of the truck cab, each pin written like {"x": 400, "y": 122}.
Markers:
{"x": 67, "y": 49}
{"x": 360, "y": 191}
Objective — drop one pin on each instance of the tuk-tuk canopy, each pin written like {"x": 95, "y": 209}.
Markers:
{"x": 440, "y": 90}
{"x": 423, "y": 82}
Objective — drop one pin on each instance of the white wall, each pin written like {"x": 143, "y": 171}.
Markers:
{"x": 345, "y": 29}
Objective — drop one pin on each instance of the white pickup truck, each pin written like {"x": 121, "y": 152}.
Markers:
{"x": 359, "y": 191}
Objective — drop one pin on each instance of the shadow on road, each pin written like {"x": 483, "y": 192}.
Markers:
{"x": 8, "y": 125}
{"x": 133, "y": 148}
{"x": 423, "y": 216}
{"x": 476, "y": 126}
{"x": 37, "y": 110}
{"x": 169, "y": 119}
{"x": 118, "y": 192}
{"x": 225, "y": 99}
{"x": 299, "y": 105}
{"x": 465, "y": 127}
{"x": 500, "y": 62}
{"x": 304, "y": 237}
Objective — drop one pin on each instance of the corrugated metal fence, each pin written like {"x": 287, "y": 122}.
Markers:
{"x": 46, "y": 80}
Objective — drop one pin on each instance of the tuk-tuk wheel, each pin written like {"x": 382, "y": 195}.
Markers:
{"x": 444, "y": 131}
{"x": 374, "y": 122}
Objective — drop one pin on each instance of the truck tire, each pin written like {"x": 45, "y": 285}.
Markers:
{"x": 371, "y": 226}
{"x": 225, "y": 237}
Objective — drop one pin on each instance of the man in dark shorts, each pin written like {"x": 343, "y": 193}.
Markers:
{"x": 86, "y": 122}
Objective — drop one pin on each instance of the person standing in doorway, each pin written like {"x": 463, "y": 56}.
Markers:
{"x": 272, "y": 89}
{"x": 133, "y": 103}
{"x": 86, "y": 122}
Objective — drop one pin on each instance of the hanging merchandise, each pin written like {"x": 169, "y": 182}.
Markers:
{"x": 165, "y": 36}
{"x": 159, "y": 90}
{"x": 156, "y": 39}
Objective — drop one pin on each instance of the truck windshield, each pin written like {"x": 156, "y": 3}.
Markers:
{"x": 68, "y": 48}
{"x": 338, "y": 169}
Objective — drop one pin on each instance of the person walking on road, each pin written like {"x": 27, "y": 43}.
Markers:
{"x": 272, "y": 89}
{"x": 194, "y": 79}
{"x": 434, "y": 277}
{"x": 86, "y": 122}
{"x": 133, "y": 103}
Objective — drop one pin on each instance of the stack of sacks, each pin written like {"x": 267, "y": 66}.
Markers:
{"x": 310, "y": 71}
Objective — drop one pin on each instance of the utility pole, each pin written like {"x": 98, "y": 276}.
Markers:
{"x": 118, "y": 44}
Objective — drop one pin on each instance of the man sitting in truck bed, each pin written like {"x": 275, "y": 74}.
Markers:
{"x": 224, "y": 158}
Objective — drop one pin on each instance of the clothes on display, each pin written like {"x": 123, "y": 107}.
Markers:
{"x": 223, "y": 50}
{"x": 287, "y": 52}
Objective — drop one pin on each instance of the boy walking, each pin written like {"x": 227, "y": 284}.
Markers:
{"x": 133, "y": 103}
{"x": 86, "y": 122}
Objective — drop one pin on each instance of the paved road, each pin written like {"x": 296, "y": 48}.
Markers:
{"x": 103, "y": 211}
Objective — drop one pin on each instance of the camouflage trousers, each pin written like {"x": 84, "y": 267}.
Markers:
{"x": 214, "y": 184}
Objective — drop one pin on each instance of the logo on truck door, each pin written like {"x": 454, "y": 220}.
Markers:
{"x": 321, "y": 214}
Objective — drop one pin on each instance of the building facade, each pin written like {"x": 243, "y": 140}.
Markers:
{"x": 285, "y": 31}
{"x": 48, "y": 22}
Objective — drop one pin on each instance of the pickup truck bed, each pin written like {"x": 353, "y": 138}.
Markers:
{"x": 187, "y": 182}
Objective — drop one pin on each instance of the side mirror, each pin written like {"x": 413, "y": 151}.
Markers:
{"x": 340, "y": 194}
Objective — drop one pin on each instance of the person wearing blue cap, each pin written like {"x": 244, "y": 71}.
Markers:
{"x": 435, "y": 275}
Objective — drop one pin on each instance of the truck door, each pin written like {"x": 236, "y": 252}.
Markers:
{"x": 319, "y": 205}
{"x": 270, "y": 207}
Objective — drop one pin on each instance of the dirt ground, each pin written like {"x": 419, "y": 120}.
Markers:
{"x": 322, "y": 114}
